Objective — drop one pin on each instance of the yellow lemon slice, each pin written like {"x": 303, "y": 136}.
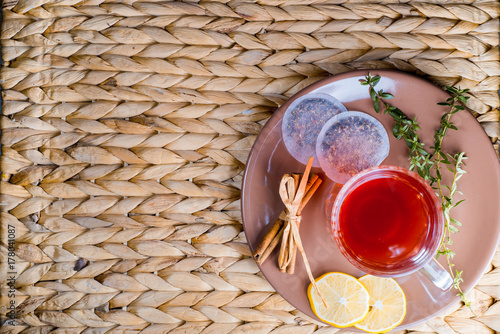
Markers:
{"x": 346, "y": 299}
{"x": 387, "y": 304}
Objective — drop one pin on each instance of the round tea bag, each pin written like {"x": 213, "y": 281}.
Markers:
{"x": 349, "y": 143}
{"x": 303, "y": 121}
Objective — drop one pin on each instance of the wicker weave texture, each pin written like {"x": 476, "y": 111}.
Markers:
{"x": 125, "y": 130}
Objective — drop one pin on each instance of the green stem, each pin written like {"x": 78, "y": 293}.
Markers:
{"x": 443, "y": 248}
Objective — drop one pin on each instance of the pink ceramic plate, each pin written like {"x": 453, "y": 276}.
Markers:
{"x": 476, "y": 242}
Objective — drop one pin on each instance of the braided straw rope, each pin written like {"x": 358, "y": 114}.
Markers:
{"x": 126, "y": 127}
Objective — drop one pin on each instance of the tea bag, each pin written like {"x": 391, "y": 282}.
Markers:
{"x": 303, "y": 121}
{"x": 349, "y": 143}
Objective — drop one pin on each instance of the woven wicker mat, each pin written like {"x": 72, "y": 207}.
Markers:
{"x": 126, "y": 126}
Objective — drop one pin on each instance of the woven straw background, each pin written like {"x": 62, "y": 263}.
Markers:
{"x": 125, "y": 130}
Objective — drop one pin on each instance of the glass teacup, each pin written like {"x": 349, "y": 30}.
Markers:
{"x": 387, "y": 221}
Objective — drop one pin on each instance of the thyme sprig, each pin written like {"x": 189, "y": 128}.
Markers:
{"x": 451, "y": 224}
{"x": 404, "y": 128}
{"x": 456, "y": 161}
{"x": 455, "y": 104}
{"x": 428, "y": 165}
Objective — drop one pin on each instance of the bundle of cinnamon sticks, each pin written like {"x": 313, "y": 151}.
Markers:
{"x": 295, "y": 191}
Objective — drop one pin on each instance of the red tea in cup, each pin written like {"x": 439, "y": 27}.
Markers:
{"x": 384, "y": 221}
{"x": 387, "y": 221}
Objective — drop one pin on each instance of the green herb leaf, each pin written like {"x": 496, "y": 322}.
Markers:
{"x": 376, "y": 106}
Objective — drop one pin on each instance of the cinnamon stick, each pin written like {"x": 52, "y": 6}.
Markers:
{"x": 296, "y": 178}
{"x": 309, "y": 194}
{"x": 271, "y": 247}
{"x": 303, "y": 182}
{"x": 266, "y": 241}
{"x": 311, "y": 181}
{"x": 310, "y": 190}
{"x": 291, "y": 267}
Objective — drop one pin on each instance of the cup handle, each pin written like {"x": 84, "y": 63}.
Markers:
{"x": 437, "y": 275}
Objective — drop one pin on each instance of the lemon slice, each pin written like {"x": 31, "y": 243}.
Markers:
{"x": 346, "y": 298}
{"x": 387, "y": 302}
